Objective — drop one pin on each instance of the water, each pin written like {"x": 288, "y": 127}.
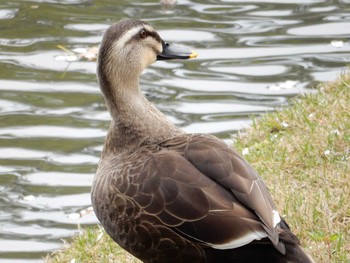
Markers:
{"x": 253, "y": 56}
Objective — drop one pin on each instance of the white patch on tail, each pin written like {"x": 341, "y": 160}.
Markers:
{"x": 276, "y": 218}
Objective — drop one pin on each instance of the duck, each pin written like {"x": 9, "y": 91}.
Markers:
{"x": 165, "y": 195}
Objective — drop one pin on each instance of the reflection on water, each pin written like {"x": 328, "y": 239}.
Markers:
{"x": 253, "y": 55}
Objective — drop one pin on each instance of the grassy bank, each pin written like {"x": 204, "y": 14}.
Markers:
{"x": 302, "y": 152}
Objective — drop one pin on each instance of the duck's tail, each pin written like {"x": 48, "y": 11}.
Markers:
{"x": 259, "y": 253}
{"x": 296, "y": 254}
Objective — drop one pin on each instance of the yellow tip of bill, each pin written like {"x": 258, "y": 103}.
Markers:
{"x": 193, "y": 55}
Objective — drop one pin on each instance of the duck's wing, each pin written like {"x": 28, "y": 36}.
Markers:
{"x": 215, "y": 159}
{"x": 204, "y": 190}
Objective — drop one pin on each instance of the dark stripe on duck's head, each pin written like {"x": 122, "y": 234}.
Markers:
{"x": 117, "y": 30}
{"x": 115, "y": 33}
{"x": 144, "y": 33}
{"x": 122, "y": 33}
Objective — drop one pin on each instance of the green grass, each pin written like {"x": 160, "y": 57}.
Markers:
{"x": 302, "y": 152}
{"x": 91, "y": 245}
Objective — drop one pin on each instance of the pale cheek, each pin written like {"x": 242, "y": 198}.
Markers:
{"x": 148, "y": 59}
{"x": 160, "y": 47}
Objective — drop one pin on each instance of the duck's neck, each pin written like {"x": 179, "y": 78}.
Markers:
{"x": 134, "y": 119}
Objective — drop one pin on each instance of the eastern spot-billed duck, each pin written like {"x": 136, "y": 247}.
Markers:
{"x": 168, "y": 196}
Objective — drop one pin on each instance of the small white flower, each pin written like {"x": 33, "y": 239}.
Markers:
{"x": 284, "y": 124}
{"x": 336, "y": 132}
{"x": 327, "y": 152}
{"x": 245, "y": 151}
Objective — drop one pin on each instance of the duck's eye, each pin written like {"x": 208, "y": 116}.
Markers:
{"x": 143, "y": 33}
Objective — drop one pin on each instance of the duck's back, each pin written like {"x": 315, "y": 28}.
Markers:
{"x": 188, "y": 199}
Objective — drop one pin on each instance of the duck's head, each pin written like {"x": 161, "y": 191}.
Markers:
{"x": 132, "y": 45}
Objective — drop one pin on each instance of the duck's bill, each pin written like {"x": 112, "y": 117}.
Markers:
{"x": 171, "y": 51}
